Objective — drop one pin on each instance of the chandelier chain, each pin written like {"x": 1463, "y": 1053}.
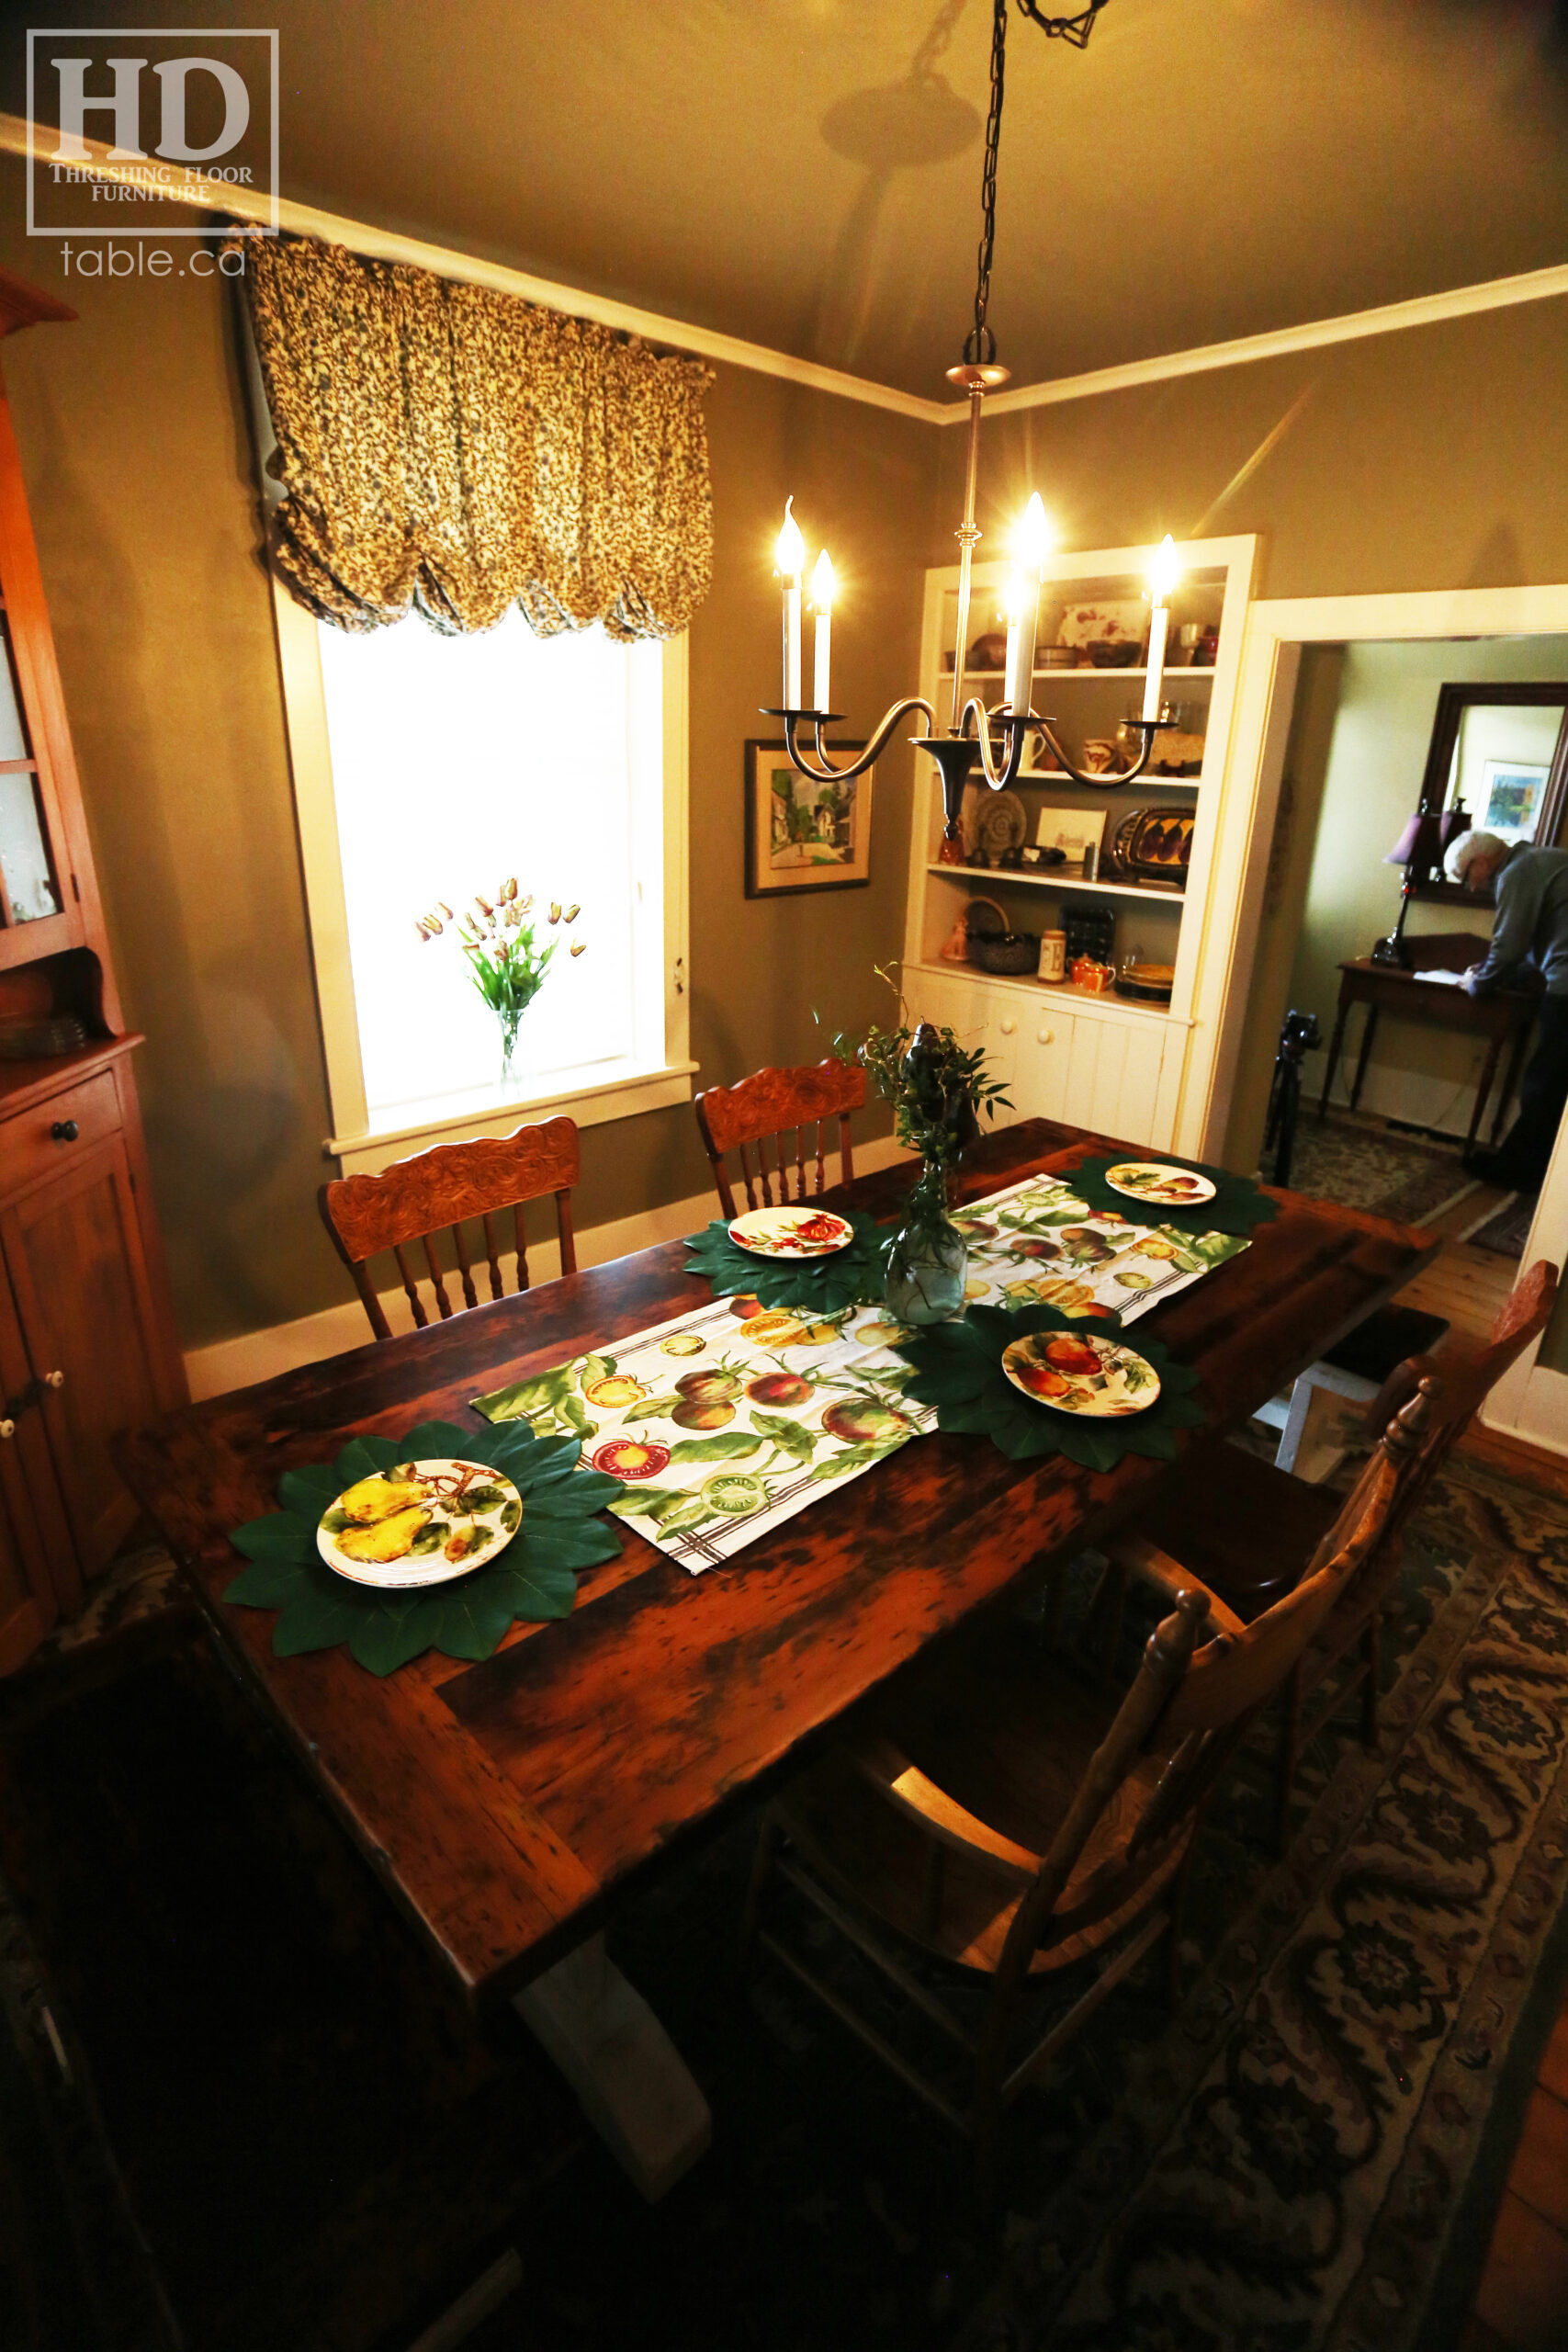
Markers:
{"x": 1076, "y": 29}
{"x": 980, "y": 344}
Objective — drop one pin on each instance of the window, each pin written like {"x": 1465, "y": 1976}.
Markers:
{"x": 429, "y": 768}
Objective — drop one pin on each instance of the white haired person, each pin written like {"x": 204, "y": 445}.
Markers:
{"x": 1529, "y": 937}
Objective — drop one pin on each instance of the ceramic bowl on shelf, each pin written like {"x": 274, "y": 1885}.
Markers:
{"x": 1114, "y": 653}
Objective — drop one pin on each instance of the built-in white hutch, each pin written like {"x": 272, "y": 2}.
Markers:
{"x": 1097, "y": 1061}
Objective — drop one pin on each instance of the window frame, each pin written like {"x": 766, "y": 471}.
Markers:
{"x": 364, "y": 1149}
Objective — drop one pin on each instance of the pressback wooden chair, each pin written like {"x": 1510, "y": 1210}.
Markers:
{"x": 1004, "y": 1814}
{"x": 413, "y": 1199}
{"x": 1249, "y": 1535}
{"x": 770, "y": 1107}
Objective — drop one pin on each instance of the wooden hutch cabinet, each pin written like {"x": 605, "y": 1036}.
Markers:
{"x": 88, "y": 1344}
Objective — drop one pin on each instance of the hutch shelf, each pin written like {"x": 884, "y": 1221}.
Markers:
{"x": 87, "y": 1345}
{"x": 1066, "y": 1053}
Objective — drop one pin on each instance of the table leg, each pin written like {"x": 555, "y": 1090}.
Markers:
{"x": 1511, "y": 1079}
{"x": 1365, "y": 1055}
{"x": 1334, "y": 1043}
{"x": 1488, "y": 1072}
{"x": 628, "y": 2075}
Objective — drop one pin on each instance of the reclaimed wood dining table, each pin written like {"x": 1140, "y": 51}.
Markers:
{"x": 506, "y": 1805}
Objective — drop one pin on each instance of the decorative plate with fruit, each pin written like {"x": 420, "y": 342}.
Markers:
{"x": 791, "y": 1232}
{"x": 1148, "y": 1180}
{"x": 420, "y": 1523}
{"x": 1079, "y": 1372}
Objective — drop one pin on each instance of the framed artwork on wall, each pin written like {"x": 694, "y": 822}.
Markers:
{"x": 1511, "y": 793}
{"x": 801, "y": 836}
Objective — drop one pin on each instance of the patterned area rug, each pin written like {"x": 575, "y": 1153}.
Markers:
{"x": 1506, "y": 1233}
{"x": 1405, "y": 1176}
{"x": 1284, "y": 2171}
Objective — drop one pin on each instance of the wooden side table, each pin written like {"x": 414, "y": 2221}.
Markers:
{"x": 1505, "y": 1018}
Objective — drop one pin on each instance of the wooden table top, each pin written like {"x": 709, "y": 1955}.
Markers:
{"x": 502, "y": 1802}
{"x": 1367, "y": 968}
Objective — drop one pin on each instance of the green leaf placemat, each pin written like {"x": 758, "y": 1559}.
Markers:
{"x": 958, "y": 1368}
{"x": 850, "y": 1277}
{"x": 534, "y": 1578}
{"x": 1237, "y": 1208}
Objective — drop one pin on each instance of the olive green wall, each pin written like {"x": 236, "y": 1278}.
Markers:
{"x": 135, "y": 440}
{"x": 1436, "y": 458}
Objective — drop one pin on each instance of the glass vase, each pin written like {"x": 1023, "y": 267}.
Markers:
{"x": 512, "y": 1059}
{"x": 926, "y": 1258}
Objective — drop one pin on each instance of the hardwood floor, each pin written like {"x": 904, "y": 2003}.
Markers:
{"x": 1465, "y": 1285}
{"x": 1522, "y": 2303}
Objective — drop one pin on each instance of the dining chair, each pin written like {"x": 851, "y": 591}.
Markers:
{"x": 770, "y": 1107}
{"x": 1006, "y": 1816}
{"x": 413, "y": 1199}
{"x": 1246, "y": 1531}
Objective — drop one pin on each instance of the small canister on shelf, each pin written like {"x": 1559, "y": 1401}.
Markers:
{"x": 1053, "y": 955}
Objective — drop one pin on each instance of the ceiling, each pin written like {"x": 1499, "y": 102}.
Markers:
{"x": 805, "y": 172}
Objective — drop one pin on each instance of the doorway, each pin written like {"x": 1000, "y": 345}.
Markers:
{"x": 1299, "y": 661}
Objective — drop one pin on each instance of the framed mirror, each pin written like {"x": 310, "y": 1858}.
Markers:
{"x": 1501, "y": 752}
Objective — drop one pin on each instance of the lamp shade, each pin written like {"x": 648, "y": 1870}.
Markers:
{"x": 1417, "y": 844}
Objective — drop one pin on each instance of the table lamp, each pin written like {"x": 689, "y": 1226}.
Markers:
{"x": 1423, "y": 845}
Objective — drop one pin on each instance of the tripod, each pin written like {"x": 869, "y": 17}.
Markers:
{"x": 1298, "y": 1036}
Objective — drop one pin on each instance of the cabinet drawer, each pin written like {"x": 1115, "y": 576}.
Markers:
{"x": 30, "y": 1149}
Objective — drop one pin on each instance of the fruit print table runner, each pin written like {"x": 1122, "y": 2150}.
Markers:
{"x": 725, "y": 1422}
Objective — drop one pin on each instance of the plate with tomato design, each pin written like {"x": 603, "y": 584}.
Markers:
{"x": 419, "y": 1523}
{"x": 1151, "y": 1180}
{"x": 791, "y": 1232}
{"x": 1081, "y": 1373}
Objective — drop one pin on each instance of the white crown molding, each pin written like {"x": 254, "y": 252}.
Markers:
{"x": 1421, "y": 310}
{"x": 386, "y": 245}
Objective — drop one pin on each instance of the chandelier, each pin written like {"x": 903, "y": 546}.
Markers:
{"x": 991, "y": 740}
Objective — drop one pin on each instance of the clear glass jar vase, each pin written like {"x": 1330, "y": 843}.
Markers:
{"x": 926, "y": 1258}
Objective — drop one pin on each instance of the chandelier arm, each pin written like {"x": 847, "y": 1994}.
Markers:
{"x": 1147, "y": 728}
{"x": 1013, "y": 726}
{"x": 822, "y": 770}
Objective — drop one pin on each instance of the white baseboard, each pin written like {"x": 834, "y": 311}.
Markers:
{"x": 262, "y": 1355}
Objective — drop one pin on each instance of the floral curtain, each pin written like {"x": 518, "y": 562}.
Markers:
{"x": 460, "y": 451}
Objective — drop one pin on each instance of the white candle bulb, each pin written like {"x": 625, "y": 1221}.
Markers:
{"x": 1018, "y": 602}
{"x": 1032, "y": 539}
{"x": 790, "y": 556}
{"x": 1162, "y": 580}
{"x": 822, "y": 600}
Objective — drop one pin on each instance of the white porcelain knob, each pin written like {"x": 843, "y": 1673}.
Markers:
{"x": 1008, "y": 1028}
{"x": 1046, "y": 1035}
{"x": 7, "y": 1429}
{"x": 54, "y": 1380}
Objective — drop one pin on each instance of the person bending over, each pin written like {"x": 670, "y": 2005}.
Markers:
{"x": 1530, "y": 937}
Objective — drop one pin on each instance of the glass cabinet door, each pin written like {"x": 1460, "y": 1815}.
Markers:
{"x": 29, "y": 890}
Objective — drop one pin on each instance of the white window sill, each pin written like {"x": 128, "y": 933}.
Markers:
{"x": 591, "y": 1106}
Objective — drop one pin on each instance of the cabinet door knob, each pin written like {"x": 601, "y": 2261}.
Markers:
{"x": 1046, "y": 1035}
{"x": 54, "y": 1380}
{"x": 7, "y": 1429}
{"x": 1008, "y": 1028}
{"x": 65, "y": 1131}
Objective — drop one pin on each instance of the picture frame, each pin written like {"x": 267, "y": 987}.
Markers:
{"x": 1072, "y": 831}
{"x": 1511, "y": 795}
{"x": 800, "y": 835}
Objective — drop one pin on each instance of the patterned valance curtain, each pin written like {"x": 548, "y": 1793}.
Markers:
{"x": 457, "y": 451}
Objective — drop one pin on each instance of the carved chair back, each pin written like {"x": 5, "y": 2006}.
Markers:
{"x": 1199, "y": 1700}
{"x": 411, "y": 1201}
{"x": 1467, "y": 1371}
{"x": 768, "y": 1109}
